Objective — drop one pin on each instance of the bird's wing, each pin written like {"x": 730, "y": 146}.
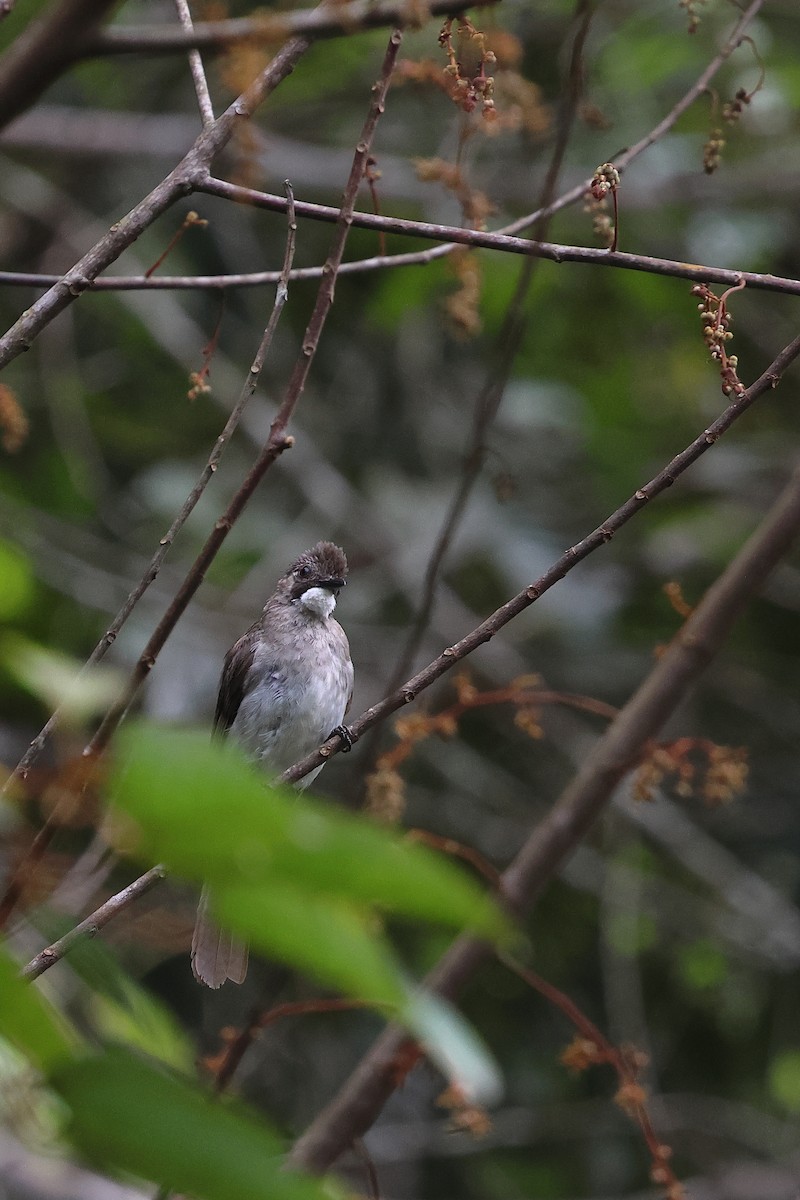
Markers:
{"x": 345, "y": 645}
{"x": 233, "y": 683}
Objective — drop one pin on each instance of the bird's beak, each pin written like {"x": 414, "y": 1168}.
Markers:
{"x": 332, "y": 585}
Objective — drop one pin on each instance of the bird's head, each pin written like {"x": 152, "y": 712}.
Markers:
{"x": 314, "y": 579}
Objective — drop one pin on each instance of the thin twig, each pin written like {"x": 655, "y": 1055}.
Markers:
{"x": 379, "y": 262}
{"x": 92, "y": 924}
{"x": 561, "y": 567}
{"x": 506, "y": 242}
{"x": 165, "y": 543}
{"x": 358, "y": 1103}
{"x": 361, "y": 1152}
{"x": 196, "y": 66}
{"x": 226, "y": 1064}
{"x": 631, "y": 1097}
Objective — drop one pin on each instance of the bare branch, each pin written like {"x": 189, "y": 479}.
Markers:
{"x": 326, "y": 21}
{"x": 553, "y": 251}
{"x": 358, "y": 1103}
{"x": 492, "y": 241}
{"x": 561, "y": 567}
{"x": 92, "y": 925}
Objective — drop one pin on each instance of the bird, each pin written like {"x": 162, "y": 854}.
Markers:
{"x": 285, "y": 688}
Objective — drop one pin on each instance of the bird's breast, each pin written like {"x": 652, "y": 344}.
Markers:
{"x": 292, "y": 701}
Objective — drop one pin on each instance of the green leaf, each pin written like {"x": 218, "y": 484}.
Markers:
{"x": 452, "y": 1044}
{"x": 202, "y": 808}
{"x": 57, "y": 680}
{"x": 121, "y": 1009}
{"x": 143, "y": 1023}
{"x": 295, "y": 876}
{"x": 327, "y": 938}
{"x": 127, "y": 1115}
{"x": 29, "y": 1022}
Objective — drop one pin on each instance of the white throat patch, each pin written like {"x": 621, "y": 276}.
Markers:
{"x": 319, "y": 601}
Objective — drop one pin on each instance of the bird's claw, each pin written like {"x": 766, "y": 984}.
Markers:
{"x": 347, "y": 738}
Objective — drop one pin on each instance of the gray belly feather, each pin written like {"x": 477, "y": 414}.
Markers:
{"x": 287, "y": 713}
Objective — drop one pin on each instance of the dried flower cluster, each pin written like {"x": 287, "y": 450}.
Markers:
{"x": 605, "y": 183}
{"x": 731, "y": 112}
{"x": 466, "y": 81}
{"x": 602, "y": 220}
{"x": 733, "y": 109}
{"x": 506, "y": 101}
{"x": 716, "y": 333}
{"x": 475, "y": 205}
{"x": 385, "y": 788}
{"x": 590, "y": 1048}
{"x": 464, "y": 1115}
{"x": 199, "y": 383}
{"x": 692, "y": 9}
{"x": 715, "y": 774}
{"x": 200, "y": 379}
{"x": 462, "y": 305}
{"x": 712, "y": 151}
{"x": 674, "y": 593}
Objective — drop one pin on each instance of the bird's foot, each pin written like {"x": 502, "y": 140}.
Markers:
{"x": 347, "y": 738}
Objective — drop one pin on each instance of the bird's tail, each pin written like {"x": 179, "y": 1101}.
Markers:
{"x": 216, "y": 954}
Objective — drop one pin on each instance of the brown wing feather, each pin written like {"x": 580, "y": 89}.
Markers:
{"x": 235, "y": 671}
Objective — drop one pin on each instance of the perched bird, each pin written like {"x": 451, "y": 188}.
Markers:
{"x": 285, "y": 688}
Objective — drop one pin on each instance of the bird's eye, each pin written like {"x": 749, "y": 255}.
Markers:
{"x": 304, "y": 571}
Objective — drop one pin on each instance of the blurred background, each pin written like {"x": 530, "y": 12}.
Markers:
{"x": 675, "y": 926}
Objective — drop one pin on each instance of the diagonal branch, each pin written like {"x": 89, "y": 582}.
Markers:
{"x": 561, "y": 567}
{"x": 92, "y": 925}
{"x": 361, "y": 1099}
